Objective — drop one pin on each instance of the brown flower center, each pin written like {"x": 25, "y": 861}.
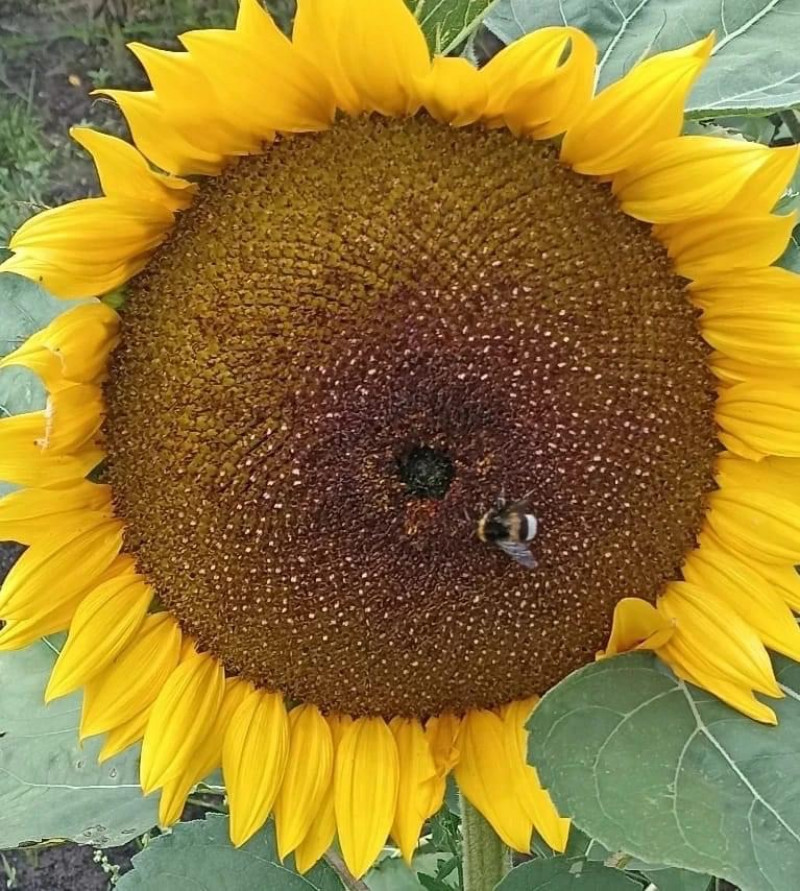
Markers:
{"x": 349, "y": 347}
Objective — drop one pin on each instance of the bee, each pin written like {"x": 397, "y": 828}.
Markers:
{"x": 511, "y": 527}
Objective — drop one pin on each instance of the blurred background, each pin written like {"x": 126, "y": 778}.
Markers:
{"x": 53, "y": 53}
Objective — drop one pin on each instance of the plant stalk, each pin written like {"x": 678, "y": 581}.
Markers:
{"x": 486, "y": 858}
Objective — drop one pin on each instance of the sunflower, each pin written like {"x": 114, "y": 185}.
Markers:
{"x": 365, "y": 291}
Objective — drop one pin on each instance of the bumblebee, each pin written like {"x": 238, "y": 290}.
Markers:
{"x": 511, "y": 527}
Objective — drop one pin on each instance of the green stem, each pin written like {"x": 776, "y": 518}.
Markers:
{"x": 486, "y": 858}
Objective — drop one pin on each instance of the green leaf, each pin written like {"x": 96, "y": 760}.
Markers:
{"x": 50, "y": 785}
{"x": 392, "y": 873}
{"x": 567, "y": 874}
{"x": 667, "y": 879}
{"x": 754, "y": 69}
{"x": 448, "y": 23}
{"x": 198, "y": 856}
{"x": 650, "y": 765}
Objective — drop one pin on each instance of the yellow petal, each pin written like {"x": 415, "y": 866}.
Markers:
{"x": 68, "y": 279}
{"x": 124, "y": 735}
{"x": 417, "y": 775}
{"x": 51, "y": 618}
{"x": 134, "y": 679}
{"x": 694, "y": 176}
{"x": 546, "y": 106}
{"x": 383, "y": 55}
{"x": 74, "y": 347}
{"x": 713, "y": 641}
{"x": 531, "y": 59}
{"x": 486, "y": 777}
{"x": 454, "y": 92}
{"x": 316, "y": 36}
{"x": 254, "y": 756}
{"x": 93, "y": 240}
{"x": 207, "y": 757}
{"x": 22, "y": 460}
{"x": 187, "y": 97}
{"x": 712, "y": 244}
{"x": 99, "y": 231}
{"x": 747, "y": 593}
{"x": 366, "y": 780}
{"x": 760, "y": 333}
{"x": 124, "y": 172}
{"x": 156, "y": 138}
{"x": 733, "y": 371}
{"x": 756, "y": 285}
{"x": 260, "y": 78}
{"x": 103, "y": 624}
{"x": 766, "y": 419}
{"x": 756, "y": 522}
{"x": 733, "y": 694}
{"x": 29, "y": 514}
{"x": 60, "y": 565}
{"x": 762, "y": 191}
{"x": 183, "y": 715}
{"x": 323, "y": 829}
{"x": 633, "y": 114}
{"x": 637, "y": 625}
{"x": 535, "y": 801}
{"x": 308, "y": 777}
{"x": 72, "y": 418}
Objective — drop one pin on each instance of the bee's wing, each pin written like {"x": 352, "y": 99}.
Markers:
{"x": 519, "y": 552}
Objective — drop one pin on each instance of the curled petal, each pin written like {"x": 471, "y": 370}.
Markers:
{"x": 637, "y": 625}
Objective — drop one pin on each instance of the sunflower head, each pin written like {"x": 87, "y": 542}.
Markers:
{"x": 366, "y": 292}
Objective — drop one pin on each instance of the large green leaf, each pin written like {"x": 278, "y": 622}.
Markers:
{"x": 655, "y": 767}
{"x": 567, "y": 874}
{"x": 448, "y": 23}
{"x": 50, "y": 786}
{"x": 198, "y": 856}
{"x": 755, "y": 67}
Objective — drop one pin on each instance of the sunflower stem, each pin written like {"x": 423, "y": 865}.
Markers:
{"x": 486, "y": 858}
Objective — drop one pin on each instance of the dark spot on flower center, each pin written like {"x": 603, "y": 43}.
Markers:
{"x": 349, "y": 347}
{"x": 426, "y": 472}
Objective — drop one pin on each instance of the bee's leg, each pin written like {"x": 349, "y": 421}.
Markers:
{"x": 500, "y": 501}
